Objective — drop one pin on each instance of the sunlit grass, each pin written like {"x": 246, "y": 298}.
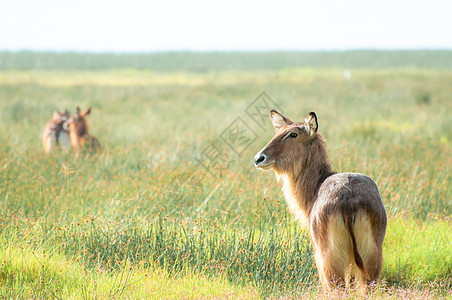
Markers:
{"x": 418, "y": 252}
{"x": 127, "y": 256}
{"x": 144, "y": 209}
{"x": 30, "y": 273}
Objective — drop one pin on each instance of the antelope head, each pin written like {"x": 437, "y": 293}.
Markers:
{"x": 289, "y": 145}
{"x": 60, "y": 117}
{"x": 77, "y": 123}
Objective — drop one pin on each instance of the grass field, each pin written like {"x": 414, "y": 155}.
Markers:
{"x": 154, "y": 216}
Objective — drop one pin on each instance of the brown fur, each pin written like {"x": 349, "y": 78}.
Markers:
{"x": 77, "y": 126}
{"x": 54, "y": 133}
{"x": 344, "y": 212}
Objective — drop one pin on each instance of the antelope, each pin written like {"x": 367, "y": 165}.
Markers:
{"x": 77, "y": 126}
{"x": 343, "y": 211}
{"x": 54, "y": 133}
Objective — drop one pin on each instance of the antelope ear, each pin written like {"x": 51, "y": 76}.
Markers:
{"x": 279, "y": 120}
{"x": 56, "y": 115}
{"x": 85, "y": 112}
{"x": 310, "y": 123}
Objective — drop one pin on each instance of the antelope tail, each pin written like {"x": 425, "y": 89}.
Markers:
{"x": 348, "y": 219}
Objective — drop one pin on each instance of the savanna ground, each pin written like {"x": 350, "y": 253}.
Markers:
{"x": 173, "y": 207}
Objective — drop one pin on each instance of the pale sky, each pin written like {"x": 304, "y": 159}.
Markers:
{"x": 141, "y": 26}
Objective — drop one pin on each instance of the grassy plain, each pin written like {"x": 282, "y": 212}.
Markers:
{"x": 144, "y": 219}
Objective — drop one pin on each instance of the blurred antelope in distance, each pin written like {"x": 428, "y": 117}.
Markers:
{"x": 54, "y": 134}
{"x": 78, "y": 131}
{"x": 343, "y": 211}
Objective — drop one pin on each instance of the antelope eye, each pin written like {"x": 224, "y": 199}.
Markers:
{"x": 293, "y": 135}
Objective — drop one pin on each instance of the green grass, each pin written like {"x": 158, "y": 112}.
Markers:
{"x": 200, "y": 62}
{"x": 144, "y": 219}
{"x": 30, "y": 273}
{"x": 418, "y": 252}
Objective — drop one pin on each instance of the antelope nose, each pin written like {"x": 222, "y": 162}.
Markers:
{"x": 259, "y": 158}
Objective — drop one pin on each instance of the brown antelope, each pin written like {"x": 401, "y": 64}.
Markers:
{"x": 343, "y": 211}
{"x": 78, "y": 131}
{"x": 54, "y": 133}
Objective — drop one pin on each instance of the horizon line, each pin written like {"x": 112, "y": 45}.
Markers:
{"x": 79, "y": 51}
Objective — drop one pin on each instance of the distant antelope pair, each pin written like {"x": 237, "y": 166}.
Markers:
{"x": 67, "y": 131}
{"x": 344, "y": 212}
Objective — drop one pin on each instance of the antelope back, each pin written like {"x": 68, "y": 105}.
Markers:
{"x": 347, "y": 228}
{"x": 90, "y": 142}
